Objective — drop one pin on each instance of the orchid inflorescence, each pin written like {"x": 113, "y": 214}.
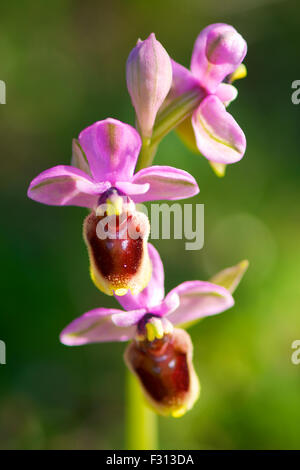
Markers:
{"x": 112, "y": 171}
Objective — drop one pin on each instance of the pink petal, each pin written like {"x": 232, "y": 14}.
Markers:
{"x": 131, "y": 189}
{"x": 226, "y": 93}
{"x": 167, "y": 306}
{"x": 219, "y": 138}
{"x": 130, "y": 318}
{"x": 95, "y": 326}
{"x": 79, "y": 159}
{"x": 154, "y": 293}
{"x": 112, "y": 149}
{"x": 218, "y": 51}
{"x": 66, "y": 186}
{"x": 199, "y": 299}
{"x": 165, "y": 183}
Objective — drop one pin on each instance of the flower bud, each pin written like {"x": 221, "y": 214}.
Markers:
{"x": 116, "y": 237}
{"x": 149, "y": 78}
{"x": 225, "y": 45}
{"x": 165, "y": 371}
{"x": 218, "y": 51}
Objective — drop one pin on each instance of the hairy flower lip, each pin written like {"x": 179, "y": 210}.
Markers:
{"x": 165, "y": 371}
{"x": 117, "y": 264}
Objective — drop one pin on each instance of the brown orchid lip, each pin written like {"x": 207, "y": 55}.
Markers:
{"x": 165, "y": 371}
{"x": 162, "y": 370}
{"x": 114, "y": 258}
{"x": 116, "y": 237}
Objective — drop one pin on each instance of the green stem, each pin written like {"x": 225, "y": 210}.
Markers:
{"x": 177, "y": 111}
{"x": 141, "y": 422}
{"x": 166, "y": 121}
{"x": 146, "y": 155}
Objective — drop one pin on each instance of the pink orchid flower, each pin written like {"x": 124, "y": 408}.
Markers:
{"x": 218, "y": 52}
{"x": 105, "y": 157}
{"x": 159, "y": 355}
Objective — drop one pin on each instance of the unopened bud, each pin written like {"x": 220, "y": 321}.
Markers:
{"x": 219, "y": 50}
{"x": 225, "y": 45}
{"x": 149, "y": 78}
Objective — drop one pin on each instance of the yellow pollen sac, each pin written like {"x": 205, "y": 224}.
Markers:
{"x": 114, "y": 205}
{"x": 179, "y": 412}
{"x": 121, "y": 292}
{"x": 240, "y": 72}
{"x": 154, "y": 329}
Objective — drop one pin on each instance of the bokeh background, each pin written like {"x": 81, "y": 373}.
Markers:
{"x": 64, "y": 66}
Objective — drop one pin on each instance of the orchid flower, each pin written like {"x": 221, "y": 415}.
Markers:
{"x": 216, "y": 59}
{"x": 104, "y": 159}
{"x": 159, "y": 355}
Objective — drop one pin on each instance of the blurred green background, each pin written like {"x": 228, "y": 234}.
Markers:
{"x": 64, "y": 67}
